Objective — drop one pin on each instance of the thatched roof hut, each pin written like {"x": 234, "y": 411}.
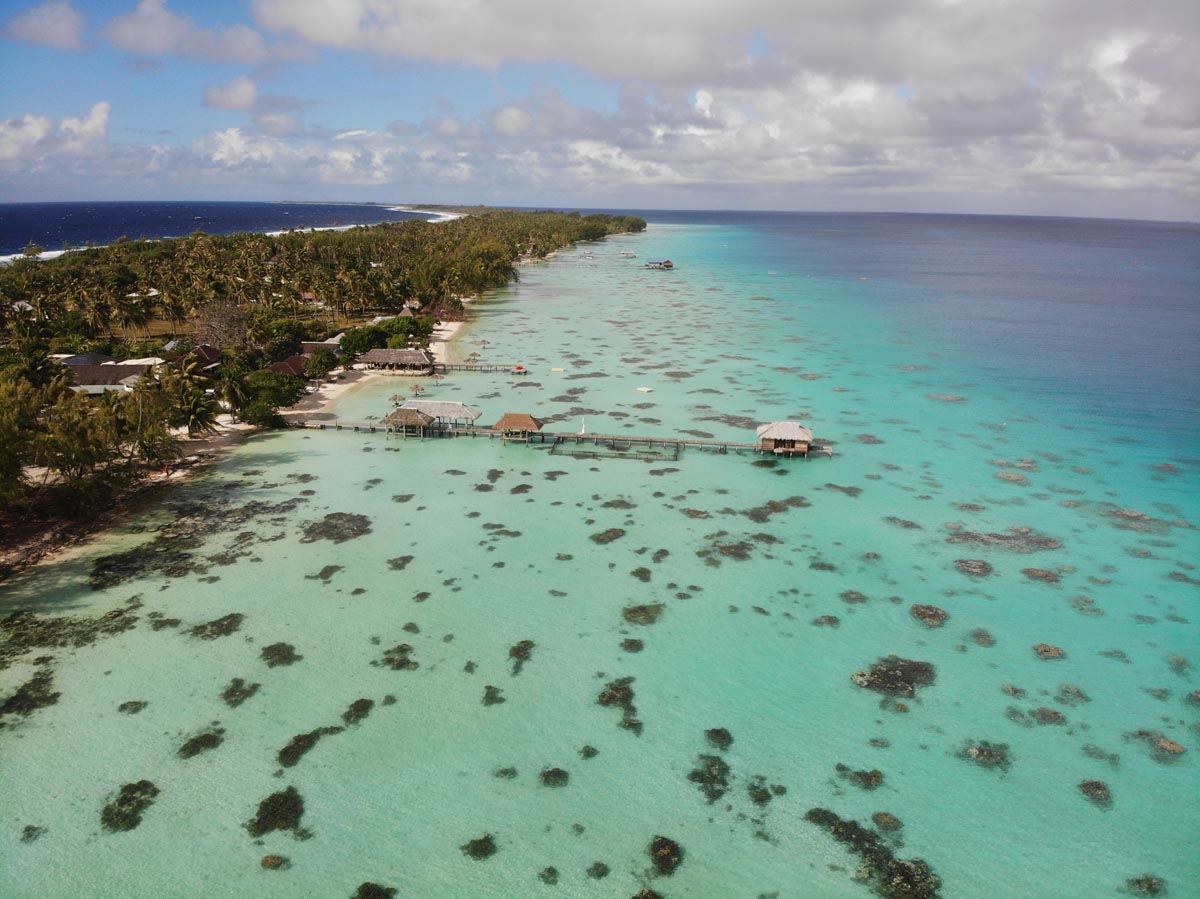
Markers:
{"x": 785, "y": 430}
{"x": 518, "y": 421}
{"x": 407, "y": 418}
{"x": 444, "y": 411}
{"x": 413, "y": 360}
{"x": 785, "y": 438}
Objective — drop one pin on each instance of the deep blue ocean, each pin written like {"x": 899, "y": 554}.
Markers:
{"x": 51, "y": 225}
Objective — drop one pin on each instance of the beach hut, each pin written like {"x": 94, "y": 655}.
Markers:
{"x": 412, "y": 361}
{"x": 785, "y": 438}
{"x": 518, "y": 426}
{"x": 408, "y": 422}
{"x": 446, "y": 414}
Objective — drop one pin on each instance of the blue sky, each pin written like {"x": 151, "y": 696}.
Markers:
{"x": 1067, "y": 107}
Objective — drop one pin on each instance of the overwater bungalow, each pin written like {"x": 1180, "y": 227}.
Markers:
{"x": 411, "y": 361}
{"x": 408, "y": 422}
{"x": 518, "y": 426}
{"x": 446, "y": 414}
{"x": 785, "y": 438}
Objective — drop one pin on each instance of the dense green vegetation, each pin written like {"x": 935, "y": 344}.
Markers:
{"x": 254, "y": 296}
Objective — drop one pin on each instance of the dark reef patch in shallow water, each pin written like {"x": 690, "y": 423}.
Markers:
{"x": 278, "y": 654}
{"x": 763, "y": 513}
{"x": 36, "y": 693}
{"x": 608, "y": 536}
{"x": 493, "y": 695}
{"x": 398, "y": 658}
{"x": 986, "y": 754}
{"x": 132, "y": 707}
{"x": 554, "y": 777}
{"x": 279, "y": 811}
{"x": 218, "y": 627}
{"x": 125, "y": 810}
{"x": 889, "y": 877}
{"x": 711, "y": 775}
{"x": 358, "y": 711}
{"x": 238, "y": 691}
{"x": 300, "y": 744}
{"x": 337, "y": 527}
{"x": 399, "y": 563}
{"x": 973, "y": 567}
{"x": 1096, "y": 792}
{"x": 371, "y": 890}
{"x": 202, "y": 742}
{"x": 520, "y": 653}
{"x": 480, "y": 848}
{"x": 895, "y": 676}
{"x": 643, "y": 614}
{"x": 25, "y": 631}
{"x": 619, "y": 694}
{"x": 1146, "y": 885}
{"x": 866, "y": 780}
{"x": 1018, "y": 540}
{"x": 325, "y": 574}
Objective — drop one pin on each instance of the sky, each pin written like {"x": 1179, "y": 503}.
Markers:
{"x": 1040, "y": 107}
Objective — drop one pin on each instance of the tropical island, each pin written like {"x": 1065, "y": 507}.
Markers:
{"x": 111, "y": 356}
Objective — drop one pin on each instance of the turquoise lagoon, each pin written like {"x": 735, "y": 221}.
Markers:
{"x": 986, "y": 383}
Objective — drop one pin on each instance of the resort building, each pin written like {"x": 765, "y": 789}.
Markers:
{"x": 97, "y": 379}
{"x": 785, "y": 438}
{"x": 414, "y": 361}
{"x": 446, "y": 414}
{"x": 518, "y": 426}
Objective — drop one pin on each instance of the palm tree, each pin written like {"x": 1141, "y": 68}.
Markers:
{"x": 198, "y": 412}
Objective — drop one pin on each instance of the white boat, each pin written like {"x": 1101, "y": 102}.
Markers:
{"x": 625, "y": 254}
{"x": 645, "y": 390}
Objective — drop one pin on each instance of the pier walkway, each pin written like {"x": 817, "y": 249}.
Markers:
{"x": 614, "y": 441}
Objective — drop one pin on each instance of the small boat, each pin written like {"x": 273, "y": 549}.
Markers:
{"x": 625, "y": 254}
{"x": 645, "y": 390}
{"x": 558, "y": 369}
{"x": 520, "y": 370}
{"x": 660, "y": 263}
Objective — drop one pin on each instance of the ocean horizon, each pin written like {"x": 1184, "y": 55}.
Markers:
{"x": 463, "y": 668}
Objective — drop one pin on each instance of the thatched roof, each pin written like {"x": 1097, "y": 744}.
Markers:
{"x": 785, "y": 430}
{"x": 444, "y": 410}
{"x": 396, "y": 357}
{"x": 518, "y": 421}
{"x": 407, "y": 418}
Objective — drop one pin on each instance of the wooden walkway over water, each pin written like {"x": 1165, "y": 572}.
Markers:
{"x": 612, "y": 441}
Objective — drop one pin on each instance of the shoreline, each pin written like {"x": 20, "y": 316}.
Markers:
{"x": 29, "y": 543}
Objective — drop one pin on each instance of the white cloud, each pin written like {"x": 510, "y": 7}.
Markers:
{"x": 78, "y": 133}
{"x": 32, "y": 140}
{"x": 54, "y": 24}
{"x": 278, "y": 124}
{"x": 154, "y": 30}
{"x": 240, "y": 93}
{"x": 512, "y": 121}
{"x": 19, "y": 137}
{"x": 233, "y": 148}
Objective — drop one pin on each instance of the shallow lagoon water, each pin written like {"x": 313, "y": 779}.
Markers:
{"x": 474, "y": 546}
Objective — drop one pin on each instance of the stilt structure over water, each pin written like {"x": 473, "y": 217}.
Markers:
{"x": 444, "y": 419}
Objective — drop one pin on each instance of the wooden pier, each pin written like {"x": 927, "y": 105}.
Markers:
{"x": 443, "y": 367}
{"x": 611, "y": 441}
